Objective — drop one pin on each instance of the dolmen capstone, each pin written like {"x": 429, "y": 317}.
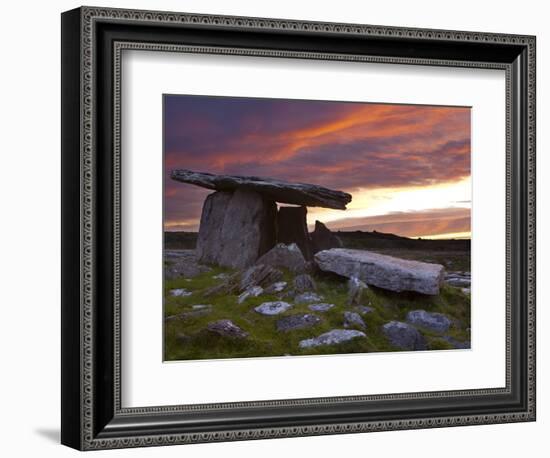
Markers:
{"x": 240, "y": 221}
{"x": 383, "y": 271}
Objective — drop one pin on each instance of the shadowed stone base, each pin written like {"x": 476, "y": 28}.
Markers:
{"x": 292, "y": 228}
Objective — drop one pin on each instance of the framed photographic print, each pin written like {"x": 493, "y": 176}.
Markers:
{"x": 279, "y": 228}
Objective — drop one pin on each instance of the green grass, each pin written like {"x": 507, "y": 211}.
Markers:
{"x": 187, "y": 339}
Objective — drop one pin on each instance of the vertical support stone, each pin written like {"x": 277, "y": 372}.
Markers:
{"x": 292, "y": 228}
{"x": 236, "y": 228}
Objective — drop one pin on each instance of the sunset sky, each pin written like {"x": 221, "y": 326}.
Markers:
{"x": 406, "y": 166}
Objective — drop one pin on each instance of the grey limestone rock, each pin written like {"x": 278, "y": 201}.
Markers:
{"x": 226, "y": 328}
{"x": 335, "y": 336}
{"x": 286, "y": 256}
{"x": 382, "y": 271}
{"x": 236, "y": 228}
{"x": 404, "y": 336}
{"x": 273, "y": 308}
{"x": 437, "y": 322}
{"x": 292, "y": 322}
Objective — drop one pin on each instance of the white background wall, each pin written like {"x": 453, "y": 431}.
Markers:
{"x": 30, "y": 240}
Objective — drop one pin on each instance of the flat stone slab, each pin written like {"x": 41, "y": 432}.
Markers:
{"x": 383, "y": 271}
{"x": 404, "y": 336}
{"x": 323, "y": 307}
{"x": 292, "y": 322}
{"x": 310, "y": 195}
{"x": 273, "y": 308}
{"x": 333, "y": 337}
{"x": 437, "y": 322}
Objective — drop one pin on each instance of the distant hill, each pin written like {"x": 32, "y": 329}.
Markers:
{"x": 356, "y": 239}
{"x": 379, "y": 240}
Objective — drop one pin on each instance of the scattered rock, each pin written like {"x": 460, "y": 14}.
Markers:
{"x": 273, "y": 308}
{"x": 183, "y": 316}
{"x": 292, "y": 322}
{"x": 292, "y": 228}
{"x": 353, "y": 320}
{"x": 182, "y": 338}
{"x": 433, "y": 321}
{"x": 458, "y": 279}
{"x": 259, "y": 275}
{"x": 221, "y": 276}
{"x": 253, "y": 291}
{"x": 466, "y": 291}
{"x": 382, "y": 271}
{"x": 335, "y": 336}
{"x": 323, "y": 239}
{"x": 304, "y": 282}
{"x": 307, "y": 297}
{"x": 201, "y": 306}
{"x": 404, "y": 336}
{"x": 323, "y": 307}
{"x": 458, "y": 344}
{"x": 226, "y": 328}
{"x": 231, "y": 285}
{"x": 236, "y": 228}
{"x": 287, "y": 256}
{"x": 355, "y": 290}
{"x": 276, "y": 287}
{"x": 180, "y": 292}
{"x": 277, "y": 190}
{"x": 364, "y": 310}
{"x": 183, "y": 264}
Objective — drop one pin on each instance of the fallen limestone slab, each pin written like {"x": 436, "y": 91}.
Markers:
{"x": 310, "y": 195}
{"x": 382, "y": 271}
{"x": 335, "y": 336}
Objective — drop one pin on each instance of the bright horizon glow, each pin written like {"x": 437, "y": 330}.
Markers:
{"x": 385, "y": 201}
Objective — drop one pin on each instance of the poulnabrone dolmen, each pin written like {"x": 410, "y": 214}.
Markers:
{"x": 241, "y": 225}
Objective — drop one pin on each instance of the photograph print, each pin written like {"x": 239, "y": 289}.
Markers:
{"x": 310, "y": 227}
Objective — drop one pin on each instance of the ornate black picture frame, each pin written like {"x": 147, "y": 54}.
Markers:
{"x": 92, "y": 42}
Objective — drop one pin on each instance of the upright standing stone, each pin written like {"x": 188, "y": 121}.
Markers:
{"x": 236, "y": 228}
{"x": 209, "y": 239}
{"x": 292, "y": 228}
{"x": 322, "y": 238}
